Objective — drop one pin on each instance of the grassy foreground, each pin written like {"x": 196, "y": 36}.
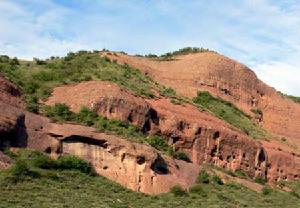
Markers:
{"x": 72, "y": 187}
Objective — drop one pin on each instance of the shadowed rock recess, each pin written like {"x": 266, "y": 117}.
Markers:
{"x": 201, "y": 135}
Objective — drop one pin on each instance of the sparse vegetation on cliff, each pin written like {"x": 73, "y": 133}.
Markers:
{"x": 171, "y": 55}
{"x": 61, "y": 113}
{"x": 230, "y": 113}
{"x": 184, "y": 51}
{"x": 291, "y": 97}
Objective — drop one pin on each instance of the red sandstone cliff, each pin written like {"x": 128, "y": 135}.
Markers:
{"x": 204, "y": 137}
{"x": 225, "y": 78}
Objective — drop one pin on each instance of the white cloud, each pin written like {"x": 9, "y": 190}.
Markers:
{"x": 25, "y": 33}
{"x": 263, "y": 34}
{"x": 284, "y": 77}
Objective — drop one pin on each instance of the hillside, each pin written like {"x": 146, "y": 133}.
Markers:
{"x": 225, "y": 78}
{"x": 149, "y": 124}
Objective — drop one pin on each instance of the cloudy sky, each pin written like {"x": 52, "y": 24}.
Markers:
{"x": 263, "y": 34}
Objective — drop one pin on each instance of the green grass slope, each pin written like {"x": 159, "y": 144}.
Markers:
{"x": 66, "y": 183}
{"x": 230, "y": 113}
{"x": 36, "y": 79}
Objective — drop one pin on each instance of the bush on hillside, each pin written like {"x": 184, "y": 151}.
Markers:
{"x": 59, "y": 112}
{"x": 178, "y": 191}
{"x": 158, "y": 143}
{"x": 266, "y": 190}
{"x": 181, "y": 156}
{"x": 260, "y": 180}
{"x": 21, "y": 171}
{"x": 86, "y": 116}
{"x": 203, "y": 177}
{"x": 43, "y": 161}
{"x": 198, "y": 189}
{"x": 216, "y": 179}
{"x": 69, "y": 162}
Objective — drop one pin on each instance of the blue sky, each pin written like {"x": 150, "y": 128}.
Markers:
{"x": 263, "y": 34}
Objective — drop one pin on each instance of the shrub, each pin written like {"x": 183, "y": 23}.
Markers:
{"x": 14, "y": 61}
{"x": 203, "y": 177}
{"x": 181, "y": 156}
{"x": 184, "y": 51}
{"x": 178, "y": 191}
{"x": 168, "y": 92}
{"x": 216, "y": 179}
{"x": 69, "y": 162}
{"x": 158, "y": 143}
{"x": 260, "y": 180}
{"x": 59, "y": 111}
{"x": 295, "y": 194}
{"x": 32, "y": 104}
{"x": 266, "y": 190}
{"x": 256, "y": 111}
{"x": 43, "y": 161}
{"x": 197, "y": 189}
{"x": 151, "y": 55}
{"x": 20, "y": 171}
{"x": 86, "y": 116}
{"x": 241, "y": 174}
{"x": 39, "y": 62}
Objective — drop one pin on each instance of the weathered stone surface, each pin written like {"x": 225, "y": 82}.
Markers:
{"x": 9, "y": 93}
{"x": 107, "y": 99}
{"x": 283, "y": 163}
{"x": 208, "y": 139}
{"x": 12, "y": 126}
{"x": 136, "y": 166}
{"x": 225, "y": 78}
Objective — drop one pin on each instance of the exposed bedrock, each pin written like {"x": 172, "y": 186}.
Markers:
{"x": 225, "y": 78}
{"x": 209, "y": 140}
{"x": 9, "y": 93}
{"x": 107, "y": 99}
{"x": 204, "y": 137}
{"x": 133, "y": 165}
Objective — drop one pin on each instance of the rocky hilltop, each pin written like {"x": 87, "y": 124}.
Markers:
{"x": 151, "y": 123}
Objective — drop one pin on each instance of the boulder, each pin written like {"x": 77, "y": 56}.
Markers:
{"x": 9, "y": 93}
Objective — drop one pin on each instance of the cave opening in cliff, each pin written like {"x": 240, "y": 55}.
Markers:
{"x": 140, "y": 159}
{"x": 216, "y": 135}
{"x": 86, "y": 140}
{"x": 151, "y": 118}
{"x": 261, "y": 157}
{"x": 160, "y": 166}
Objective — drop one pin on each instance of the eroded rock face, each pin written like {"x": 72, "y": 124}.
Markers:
{"x": 225, "y": 78}
{"x": 283, "y": 163}
{"x": 12, "y": 126}
{"x": 9, "y": 93}
{"x": 107, "y": 99}
{"x": 135, "y": 166}
{"x": 209, "y": 140}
